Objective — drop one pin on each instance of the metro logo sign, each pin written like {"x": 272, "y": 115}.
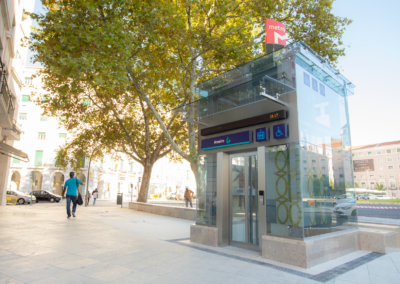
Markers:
{"x": 275, "y": 32}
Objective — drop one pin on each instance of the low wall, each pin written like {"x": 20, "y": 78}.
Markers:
{"x": 170, "y": 211}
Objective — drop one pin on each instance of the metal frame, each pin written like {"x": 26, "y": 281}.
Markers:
{"x": 246, "y": 244}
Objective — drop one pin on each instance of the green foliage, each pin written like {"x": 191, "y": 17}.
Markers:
{"x": 379, "y": 186}
{"x": 356, "y": 185}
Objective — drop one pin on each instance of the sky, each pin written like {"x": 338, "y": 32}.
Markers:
{"x": 372, "y": 64}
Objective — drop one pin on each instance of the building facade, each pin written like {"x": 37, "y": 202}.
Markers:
{"x": 14, "y": 26}
{"x": 40, "y": 138}
{"x": 377, "y": 166}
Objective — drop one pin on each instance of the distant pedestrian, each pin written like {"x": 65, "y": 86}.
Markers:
{"x": 95, "y": 195}
{"x": 88, "y": 197}
{"x": 188, "y": 196}
{"x": 71, "y": 188}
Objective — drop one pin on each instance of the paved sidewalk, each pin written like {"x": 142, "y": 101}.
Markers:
{"x": 39, "y": 244}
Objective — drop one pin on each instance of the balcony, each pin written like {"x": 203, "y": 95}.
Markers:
{"x": 6, "y": 103}
{"x": 13, "y": 133}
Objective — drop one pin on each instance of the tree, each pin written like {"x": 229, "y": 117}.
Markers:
{"x": 356, "y": 185}
{"x": 88, "y": 87}
{"x": 159, "y": 51}
{"x": 379, "y": 186}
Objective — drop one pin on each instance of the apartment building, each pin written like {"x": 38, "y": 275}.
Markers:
{"x": 41, "y": 136}
{"x": 378, "y": 164}
{"x": 14, "y": 25}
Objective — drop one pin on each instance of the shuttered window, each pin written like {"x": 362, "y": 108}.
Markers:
{"x": 42, "y": 135}
{"x": 38, "y": 158}
{"x": 26, "y": 98}
{"x": 62, "y": 135}
{"x": 16, "y": 161}
{"x": 23, "y": 116}
{"x": 43, "y": 118}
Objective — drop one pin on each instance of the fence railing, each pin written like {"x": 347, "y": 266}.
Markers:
{"x": 5, "y": 91}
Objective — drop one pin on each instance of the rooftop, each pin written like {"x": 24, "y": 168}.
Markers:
{"x": 376, "y": 145}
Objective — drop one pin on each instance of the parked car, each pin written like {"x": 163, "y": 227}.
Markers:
{"x": 346, "y": 210}
{"x": 46, "y": 195}
{"x": 172, "y": 196}
{"x": 22, "y": 197}
{"x": 382, "y": 197}
{"x": 344, "y": 198}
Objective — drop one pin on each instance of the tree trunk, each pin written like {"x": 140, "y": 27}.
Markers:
{"x": 145, "y": 184}
{"x": 193, "y": 166}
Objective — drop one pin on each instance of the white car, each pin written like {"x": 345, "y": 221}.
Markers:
{"x": 382, "y": 197}
{"x": 346, "y": 210}
{"x": 344, "y": 198}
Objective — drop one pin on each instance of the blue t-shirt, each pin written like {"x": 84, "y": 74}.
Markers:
{"x": 71, "y": 186}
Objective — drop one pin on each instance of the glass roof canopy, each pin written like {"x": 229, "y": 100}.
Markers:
{"x": 246, "y": 83}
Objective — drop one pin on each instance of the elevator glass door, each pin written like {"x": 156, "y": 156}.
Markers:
{"x": 243, "y": 201}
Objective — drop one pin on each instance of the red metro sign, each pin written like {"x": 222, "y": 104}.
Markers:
{"x": 275, "y": 32}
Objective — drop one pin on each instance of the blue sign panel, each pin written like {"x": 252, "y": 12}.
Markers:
{"x": 226, "y": 140}
{"x": 280, "y": 131}
{"x": 262, "y": 134}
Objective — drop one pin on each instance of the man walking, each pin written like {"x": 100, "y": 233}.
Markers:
{"x": 188, "y": 196}
{"x": 71, "y": 186}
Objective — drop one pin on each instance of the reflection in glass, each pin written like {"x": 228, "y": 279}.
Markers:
{"x": 238, "y": 199}
{"x": 207, "y": 190}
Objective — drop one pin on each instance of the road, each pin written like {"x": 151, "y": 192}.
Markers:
{"x": 378, "y": 213}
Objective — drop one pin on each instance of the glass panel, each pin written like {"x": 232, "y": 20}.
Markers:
{"x": 206, "y": 205}
{"x": 283, "y": 192}
{"x": 253, "y": 200}
{"x": 238, "y": 199}
{"x": 38, "y": 158}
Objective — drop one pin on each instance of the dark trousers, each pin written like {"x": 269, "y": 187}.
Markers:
{"x": 69, "y": 199}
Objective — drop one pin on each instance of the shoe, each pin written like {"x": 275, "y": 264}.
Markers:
{"x": 69, "y": 217}
{"x": 73, "y": 214}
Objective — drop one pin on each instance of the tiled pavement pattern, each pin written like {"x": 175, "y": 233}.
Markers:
{"x": 39, "y": 244}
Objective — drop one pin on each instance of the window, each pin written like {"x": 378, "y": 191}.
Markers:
{"x": 390, "y": 160}
{"x": 63, "y": 118}
{"x": 363, "y": 184}
{"x": 391, "y": 175}
{"x": 323, "y": 168}
{"x": 392, "y": 185}
{"x": 322, "y": 160}
{"x": 372, "y": 185}
{"x": 378, "y": 152}
{"x": 62, "y": 135}
{"x": 86, "y": 102}
{"x": 42, "y": 135}
{"x": 38, "y": 158}
{"x": 390, "y": 167}
{"x": 380, "y": 168}
{"x": 45, "y": 98}
{"x": 23, "y": 116}
{"x": 398, "y": 150}
{"x": 122, "y": 165}
{"x": 339, "y": 160}
{"x": 28, "y": 80}
{"x": 339, "y": 152}
{"x": 304, "y": 161}
{"x": 379, "y": 160}
{"x": 369, "y": 153}
{"x": 362, "y": 176}
{"x": 340, "y": 168}
{"x": 26, "y": 98}
{"x": 360, "y": 154}
{"x": 341, "y": 176}
{"x": 314, "y": 168}
{"x": 389, "y": 151}
{"x": 381, "y": 176}
{"x": 43, "y": 118}
{"x": 398, "y": 158}
{"x": 352, "y": 154}
{"x": 305, "y": 168}
{"x": 16, "y": 161}
{"x": 371, "y": 176}
{"x": 355, "y": 177}
{"x": 131, "y": 167}
{"x": 314, "y": 161}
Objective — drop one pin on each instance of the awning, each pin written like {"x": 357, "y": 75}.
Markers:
{"x": 10, "y": 151}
